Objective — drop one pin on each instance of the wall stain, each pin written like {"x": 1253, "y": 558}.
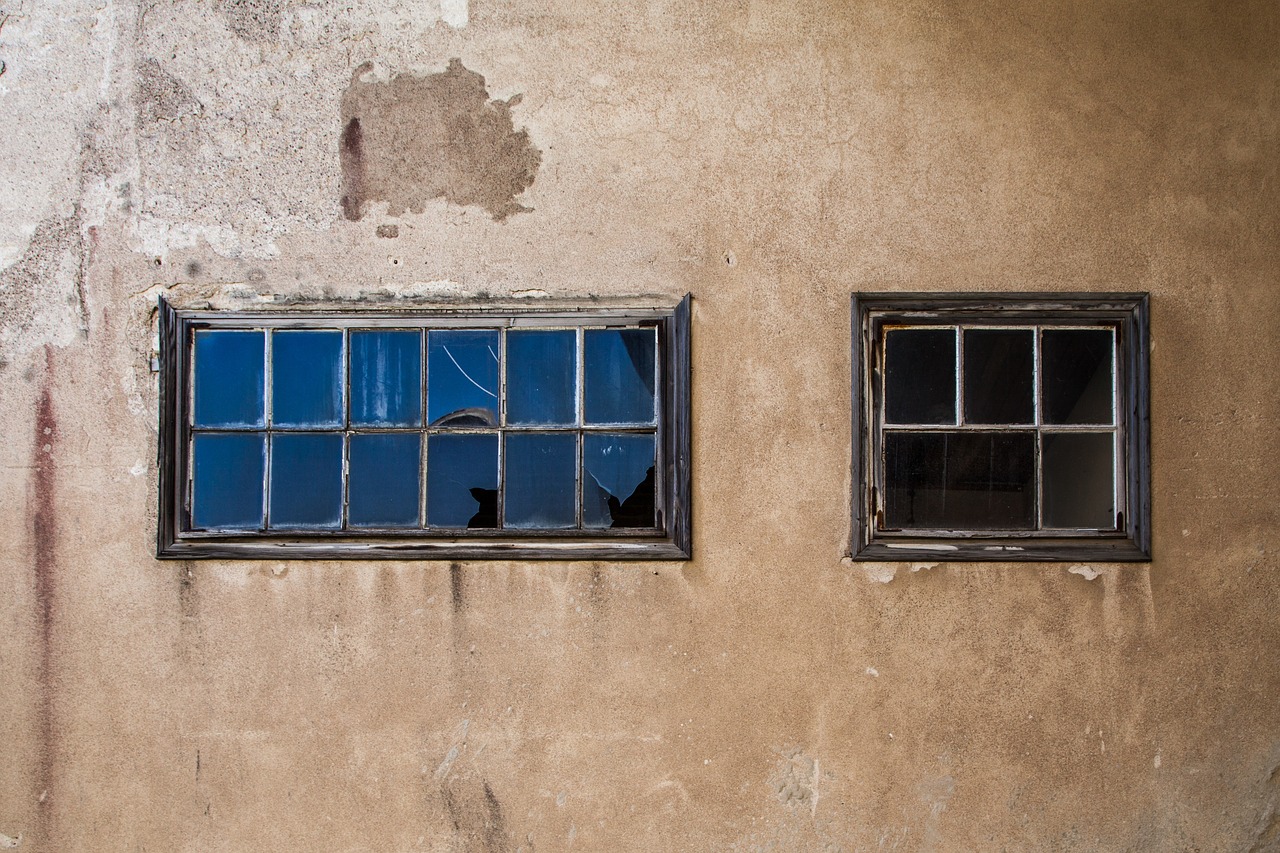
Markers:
{"x": 163, "y": 97}
{"x": 455, "y": 587}
{"x": 43, "y": 292}
{"x": 411, "y": 139}
{"x": 44, "y": 529}
{"x": 476, "y": 816}
{"x": 253, "y": 20}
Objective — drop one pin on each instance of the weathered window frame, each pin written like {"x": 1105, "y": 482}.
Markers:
{"x": 1126, "y": 313}
{"x": 670, "y": 539}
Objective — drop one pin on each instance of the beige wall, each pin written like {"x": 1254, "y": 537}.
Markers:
{"x": 770, "y": 158}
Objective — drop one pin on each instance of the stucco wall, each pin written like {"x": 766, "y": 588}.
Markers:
{"x": 770, "y": 158}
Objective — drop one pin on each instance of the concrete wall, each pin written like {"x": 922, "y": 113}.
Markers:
{"x": 769, "y": 157}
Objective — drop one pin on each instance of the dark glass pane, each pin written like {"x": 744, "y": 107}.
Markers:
{"x": 1075, "y": 367}
{"x": 462, "y": 481}
{"x": 619, "y": 365}
{"x": 227, "y": 481}
{"x": 306, "y": 379}
{"x": 306, "y": 480}
{"x": 617, "y": 481}
{"x": 999, "y": 384}
{"x": 920, "y": 376}
{"x": 959, "y": 480}
{"x": 383, "y": 480}
{"x": 540, "y": 475}
{"x": 1079, "y": 480}
{"x": 386, "y": 378}
{"x": 462, "y": 378}
{"x": 229, "y": 379}
{"x": 540, "y": 373}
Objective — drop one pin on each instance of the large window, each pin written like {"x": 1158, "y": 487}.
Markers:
{"x": 548, "y": 434}
{"x": 1001, "y": 427}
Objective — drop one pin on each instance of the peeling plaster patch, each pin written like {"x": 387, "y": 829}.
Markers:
{"x": 139, "y": 468}
{"x": 1087, "y": 572}
{"x": 873, "y": 672}
{"x": 42, "y": 295}
{"x": 923, "y": 567}
{"x": 163, "y": 97}
{"x": 881, "y": 572}
{"x": 253, "y": 20}
{"x": 411, "y": 139}
{"x": 795, "y": 780}
{"x": 531, "y": 293}
{"x": 454, "y": 13}
{"x": 10, "y": 843}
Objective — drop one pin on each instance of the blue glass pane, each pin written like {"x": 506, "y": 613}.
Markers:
{"x": 619, "y": 376}
{"x": 306, "y": 379}
{"x": 386, "y": 378}
{"x": 540, "y": 372}
{"x": 462, "y": 378}
{"x": 306, "y": 480}
{"x": 227, "y": 481}
{"x": 462, "y": 480}
{"x": 540, "y": 484}
{"x": 383, "y": 478}
{"x": 617, "y": 480}
{"x": 229, "y": 374}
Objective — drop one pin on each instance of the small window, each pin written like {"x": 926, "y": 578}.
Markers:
{"x": 482, "y": 434}
{"x": 993, "y": 427}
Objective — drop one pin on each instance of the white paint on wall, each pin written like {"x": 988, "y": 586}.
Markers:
{"x": 454, "y": 13}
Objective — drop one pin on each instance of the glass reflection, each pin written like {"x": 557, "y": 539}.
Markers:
{"x": 618, "y": 480}
{"x": 306, "y": 480}
{"x": 462, "y": 378}
{"x": 540, "y": 371}
{"x": 383, "y": 479}
{"x": 462, "y": 480}
{"x": 619, "y": 381}
{"x": 998, "y": 376}
{"x": 1075, "y": 367}
{"x": 227, "y": 485}
{"x": 386, "y": 378}
{"x": 540, "y": 480}
{"x": 229, "y": 378}
{"x": 920, "y": 376}
{"x": 306, "y": 378}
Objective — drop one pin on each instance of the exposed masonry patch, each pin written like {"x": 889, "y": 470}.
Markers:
{"x": 795, "y": 780}
{"x": 411, "y": 139}
{"x": 42, "y": 295}
{"x": 163, "y": 97}
{"x": 253, "y": 20}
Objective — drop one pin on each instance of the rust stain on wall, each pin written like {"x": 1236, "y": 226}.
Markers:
{"x": 411, "y": 139}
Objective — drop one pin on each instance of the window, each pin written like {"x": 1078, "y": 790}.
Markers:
{"x": 1000, "y": 427}
{"x": 453, "y": 434}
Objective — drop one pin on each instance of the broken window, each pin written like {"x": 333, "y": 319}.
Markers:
{"x": 554, "y": 434}
{"x": 1001, "y": 427}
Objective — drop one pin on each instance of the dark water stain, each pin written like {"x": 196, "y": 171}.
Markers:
{"x": 411, "y": 139}
{"x": 45, "y": 533}
{"x": 476, "y": 815}
{"x": 455, "y": 586}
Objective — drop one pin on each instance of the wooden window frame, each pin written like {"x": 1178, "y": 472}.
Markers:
{"x": 1126, "y": 313}
{"x": 670, "y": 539}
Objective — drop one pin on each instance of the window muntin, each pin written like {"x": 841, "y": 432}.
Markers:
{"x": 537, "y": 434}
{"x": 994, "y": 427}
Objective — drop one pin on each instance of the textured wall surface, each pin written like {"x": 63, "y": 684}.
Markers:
{"x": 770, "y": 158}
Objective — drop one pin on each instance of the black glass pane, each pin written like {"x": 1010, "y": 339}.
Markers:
{"x": 229, "y": 379}
{"x": 386, "y": 378}
{"x": 383, "y": 477}
{"x": 920, "y": 376}
{"x": 540, "y": 480}
{"x": 462, "y": 481}
{"x": 227, "y": 481}
{"x": 999, "y": 383}
{"x": 1079, "y": 480}
{"x": 618, "y": 480}
{"x": 306, "y": 379}
{"x": 619, "y": 381}
{"x": 462, "y": 378}
{"x": 306, "y": 480}
{"x": 959, "y": 480}
{"x": 540, "y": 372}
{"x": 1075, "y": 367}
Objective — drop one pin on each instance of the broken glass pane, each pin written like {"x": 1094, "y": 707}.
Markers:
{"x": 920, "y": 376}
{"x": 540, "y": 480}
{"x": 383, "y": 479}
{"x": 462, "y": 378}
{"x": 229, "y": 379}
{"x": 541, "y": 366}
{"x": 1075, "y": 366}
{"x": 1079, "y": 480}
{"x": 227, "y": 481}
{"x": 998, "y": 376}
{"x": 462, "y": 480}
{"x": 959, "y": 480}
{"x": 619, "y": 382}
{"x": 306, "y": 480}
{"x": 618, "y": 480}
{"x": 386, "y": 378}
{"x": 306, "y": 379}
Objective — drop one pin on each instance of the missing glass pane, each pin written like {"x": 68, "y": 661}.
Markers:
{"x": 462, "y": 480}
{"x": 618, "y": 480}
